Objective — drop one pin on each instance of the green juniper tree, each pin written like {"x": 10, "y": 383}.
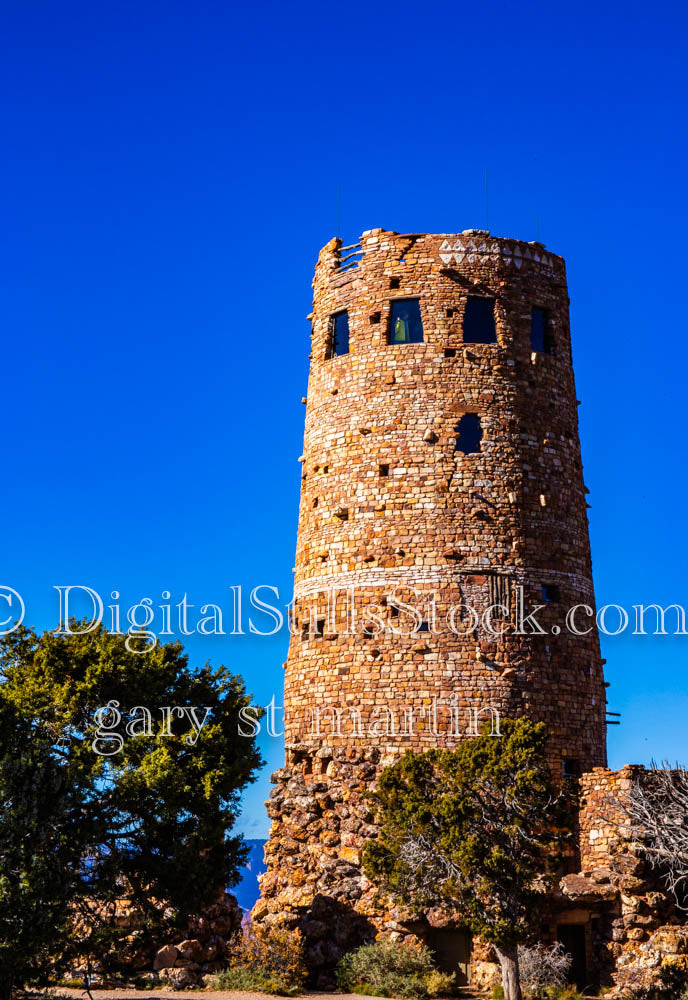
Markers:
{"x": 141, "y": 806}
{"x": 476, "y": 830}
{"x": 40, "y": 844}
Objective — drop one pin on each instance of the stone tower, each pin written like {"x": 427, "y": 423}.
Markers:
{"x": 441, "y": 475}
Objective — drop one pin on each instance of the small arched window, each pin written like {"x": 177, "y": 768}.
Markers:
{"x": 470, "y": 434}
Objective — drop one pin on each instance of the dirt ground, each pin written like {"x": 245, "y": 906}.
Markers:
{"x": 166, "y": 994}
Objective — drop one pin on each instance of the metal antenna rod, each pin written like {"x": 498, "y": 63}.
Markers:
{"x": 487, "y": 214}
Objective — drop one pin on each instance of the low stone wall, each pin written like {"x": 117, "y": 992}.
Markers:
{"x": 200, "y": 950}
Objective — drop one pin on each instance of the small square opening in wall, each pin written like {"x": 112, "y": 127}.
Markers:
{"x": 571, "y": 767}
{"x": 405, "y": 323}
{"x": 450, "y": 313}
{"x": 376, "y": 317}
{"x": 424, "y": 626}
{"x": 450, "y": 352}
{"x": 550, "y": 593}
{"x": 479, "y": 322}
{"x": 394, "y": 282}
{"x": 383, "y": 469}
{"x": 305, "y": 631}
{"x": 320, "y": 626}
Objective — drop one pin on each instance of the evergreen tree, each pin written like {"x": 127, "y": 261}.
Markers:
{"x": 476, "y": 830}
{"x": 107, "y": 791}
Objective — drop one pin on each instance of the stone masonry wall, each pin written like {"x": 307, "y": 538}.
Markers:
{"x": 638, "y": 925}
{"x": 391, "y": 510}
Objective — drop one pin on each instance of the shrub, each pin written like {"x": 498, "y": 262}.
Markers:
{"x": 390, "y": 969}
{"x": 563, "y": 993}
{"x": 266, "y": 959}
{"x": 543, "y": 966}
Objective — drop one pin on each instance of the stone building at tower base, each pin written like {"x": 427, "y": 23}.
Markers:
{"x": 614, "y": 914}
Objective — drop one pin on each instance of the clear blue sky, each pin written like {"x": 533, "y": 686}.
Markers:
{"x": 169, "y": 172}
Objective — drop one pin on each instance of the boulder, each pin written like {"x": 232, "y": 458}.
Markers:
{"x": 179, "y": 979}
{"x": 165, "y": 958}
{"x": 191, "y": 950}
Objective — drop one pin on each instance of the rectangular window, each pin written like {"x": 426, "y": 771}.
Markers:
{"x": 550, "y": 593}
{"x": 571, "y": 768}
{"x": 470, "y": 434}
{"x": 405, "y": 323}
{"x": 479, "y": 322}
{"x": 339, "y": 335}
{"x": 540, "y": 334}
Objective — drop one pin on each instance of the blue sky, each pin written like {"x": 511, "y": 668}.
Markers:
{"x": 169, "y": 173}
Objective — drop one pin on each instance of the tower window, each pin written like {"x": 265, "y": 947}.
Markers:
{"x": 540, "y": 335}
{"x": 478, "y": 322}
{"x": 394, "y": 283}
{"x": 405, "y": 323}
{"x": 571, "y": 767}
{"x": 383, "y": 469}
{"x": 470, "y": 434}
{"x": 550, "y": 593}
{"x": 339, "y": 335}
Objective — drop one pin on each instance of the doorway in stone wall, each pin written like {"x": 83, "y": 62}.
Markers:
{"x": 572, "y": 936}
{"x": 451, "y": 947}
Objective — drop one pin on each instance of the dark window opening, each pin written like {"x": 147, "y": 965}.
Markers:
{"x": 450, "y": 313}
{"x": 540, "y": 334}
{"x": 405, "y": 323}
{"x": 571, "y": 767}
{"x": 470, "y": 434}
{"x": 383, "y": 470}
{"x": 394, "y": 283}
{"x": 305, "y": 630}
{"x": 369, "y": 631}
{"x": 479, "y": 322}
{"x": 424, "y": 626}
{"x": 315, "y": 503}
{"x": 320, "y": 626}
{"x": 450, "y": 352}
{"x": 550, "y": 593}
{"x": 339, "y": 335}
{"x": 375, "y": 318}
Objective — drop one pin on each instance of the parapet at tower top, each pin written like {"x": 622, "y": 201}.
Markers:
{"x": 445, "y": 249}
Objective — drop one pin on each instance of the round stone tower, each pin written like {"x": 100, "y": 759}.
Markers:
{"x": 441, "y": 478}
